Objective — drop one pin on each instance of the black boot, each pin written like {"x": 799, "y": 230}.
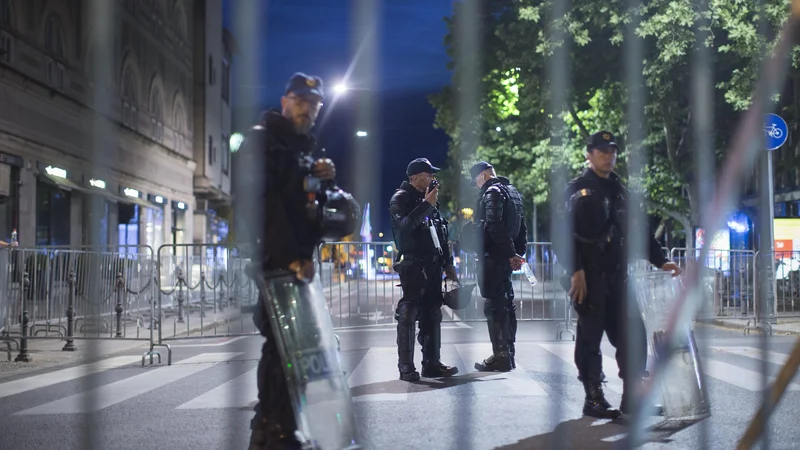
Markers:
{"x": 432, "y": 367}
{"x": 596, "y": 404}
{"x": 629, "y": 394}
{"x": 268, "y": 434}
{"x": 512, "y": 325}
{"x": 405, "y": 352}
{"x": 500, "y": 361}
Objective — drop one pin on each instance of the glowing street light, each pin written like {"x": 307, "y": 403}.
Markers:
{"x": 361, "y": 133}
{"x": 340, "y": 88}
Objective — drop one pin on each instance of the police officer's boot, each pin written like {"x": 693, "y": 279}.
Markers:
{"x": 512, "y": 322}
{"x": 596, "y": 404}
{"x": 630, "y": 396}
{"x": 267, "y": 434}
{"x": 500, "y": 361}
{"x": 431, "y": 346}
{"x": 405, "y": 352}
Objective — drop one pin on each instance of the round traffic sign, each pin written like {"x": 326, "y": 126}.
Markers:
{"x": 775, "y": 131}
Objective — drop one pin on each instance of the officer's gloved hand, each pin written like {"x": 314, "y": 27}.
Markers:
{"x": 578, "y": 290}
{"x": 450, "y": 273}
{"x": 303, "y": 269}
{"x": 672, "y": 267}
{"x": 324, "y": 169}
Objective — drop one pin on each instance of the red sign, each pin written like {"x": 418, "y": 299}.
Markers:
{"x": 783, "y": 245}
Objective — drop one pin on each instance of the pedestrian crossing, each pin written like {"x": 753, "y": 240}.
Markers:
{"x": 206, "y": 381}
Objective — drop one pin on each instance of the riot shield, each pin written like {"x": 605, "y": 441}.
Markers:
{"x": 309, "y": 350}
{"x": 685, "y": 398}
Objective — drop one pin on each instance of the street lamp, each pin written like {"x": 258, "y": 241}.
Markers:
{"x": 361, "y": 133}
{"x": 340, "y": 88}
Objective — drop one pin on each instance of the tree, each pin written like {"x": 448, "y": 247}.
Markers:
{"x": 513, "y": 119}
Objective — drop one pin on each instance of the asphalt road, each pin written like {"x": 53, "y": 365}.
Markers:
{"x": 188, "y": 405}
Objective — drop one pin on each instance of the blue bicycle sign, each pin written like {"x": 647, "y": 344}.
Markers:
{"x": 775, "y": 131}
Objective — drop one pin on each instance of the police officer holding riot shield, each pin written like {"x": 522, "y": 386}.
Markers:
{"x": 421, "y": 237}
{"x": 596, "y": 203}
{"x": 500, "y": 227}
{"x": 273, "y": 215}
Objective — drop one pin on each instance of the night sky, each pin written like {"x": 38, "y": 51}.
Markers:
{"x": 314, "y": 36}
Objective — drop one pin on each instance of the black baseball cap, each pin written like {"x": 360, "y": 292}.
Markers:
{"x": 421, "y": 165}
{"x": 477, "y": 168}
{"x": 303, "y": 85}
{"x": 603, "y": 141}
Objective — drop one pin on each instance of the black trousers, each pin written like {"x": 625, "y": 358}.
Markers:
{"x": 494, "y": 282}
{"x": 605, "y": 309}
{"x": 274, "y": 413}
{"x": 421, "y": 281}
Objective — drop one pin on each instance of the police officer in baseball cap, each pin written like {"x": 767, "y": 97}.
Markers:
{"x": 421, "y": 237}
{"x": 271, "y": 216}
{"x": 597, "y": 277}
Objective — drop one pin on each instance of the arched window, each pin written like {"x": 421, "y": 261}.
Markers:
{"x": 157, "y": 115}
{"x": 179, "y": 122}
{"x": 6, "y": 39}
{"x": 54, "y": 43}
{"x": 54, "y": 37}
{"x": 130, "y": 108}
{"x": 5, "y": 12}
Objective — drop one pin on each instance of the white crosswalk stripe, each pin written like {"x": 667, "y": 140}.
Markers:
{"x": 111, "y": 394}
{"x": 239, "y": 392}
{"x": 64, "y": 375}
{"x": 373, "y": 377}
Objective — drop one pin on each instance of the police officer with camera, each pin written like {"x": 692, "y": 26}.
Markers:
{"x": 498, "y": 236}
{"x": 421, "y": 237}
{"x": 277, "y": 214}
{"x": 596, "y": 203}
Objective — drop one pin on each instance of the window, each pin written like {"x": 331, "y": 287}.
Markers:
{"x": 212, "y": 76}
{"x": 178, "y": 119}
{"x": 211, "y": 155}
{"x": 5, "y": 12}
{"x": 226, "y": 81}
{"x": 225, "y": 154}
{"x": 157, "y": 116}
{"x": 130, "y": 111}
{"x": 56, "y": 74}
{"x": 54, "y": 37}
{"x": 6, "y": 46}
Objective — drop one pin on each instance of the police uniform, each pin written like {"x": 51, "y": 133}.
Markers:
{"x": 420, "y": 266}
{"x": 271, "y": 216}
{"x": 499, "y": 222}
{"x": 597, "y": 208}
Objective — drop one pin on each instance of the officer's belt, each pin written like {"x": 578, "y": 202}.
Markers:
{"x": 425, "y": 258}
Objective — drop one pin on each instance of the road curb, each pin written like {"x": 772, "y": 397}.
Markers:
{"x": 733, "y": 326}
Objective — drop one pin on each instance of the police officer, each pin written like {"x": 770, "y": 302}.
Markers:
{"x": 500, "y": 228}
{"x": 270, "y": 203}
{"x": 420, "y": 235}
{"x": 597, "y": 281}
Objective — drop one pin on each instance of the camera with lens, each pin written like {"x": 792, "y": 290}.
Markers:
{"x": 335, "y": 210}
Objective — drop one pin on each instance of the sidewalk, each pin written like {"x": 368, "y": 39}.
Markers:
{"x": 46, "y": 353}
{"x": 783, "y": 326}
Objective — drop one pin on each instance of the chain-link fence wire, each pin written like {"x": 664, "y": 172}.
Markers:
{"x": 746, "y": 145}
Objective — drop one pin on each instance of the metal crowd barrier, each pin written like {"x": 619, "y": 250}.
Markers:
{"x": 84, "y": 293}
{"x": 363, "y": 289}
{"x": 728, "y": 280}
{"x": 129, "y": 292}
{"x": 203, "y": 288}
{"x": 123, "y": 293}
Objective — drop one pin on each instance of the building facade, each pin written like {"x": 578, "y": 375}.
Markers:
{"x": 97, "y": 138}
{"x": 214, "y": 49}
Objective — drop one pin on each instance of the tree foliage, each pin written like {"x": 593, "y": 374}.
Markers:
{"x": 513, "y": 122}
